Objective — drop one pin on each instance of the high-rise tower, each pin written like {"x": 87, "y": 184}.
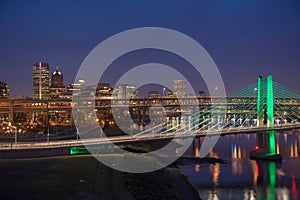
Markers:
{"x": 4, "y": 89}
{"x": 41, "y": 80}
{"x": 179, "y": 88}
{"x": 57, "y": 87}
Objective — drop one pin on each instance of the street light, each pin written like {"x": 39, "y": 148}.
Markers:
{"x": 255, "y": 91}
{"x": 16, "y": 136}
{"x": 48, "y": 134}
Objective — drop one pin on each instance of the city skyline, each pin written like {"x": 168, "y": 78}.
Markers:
{"x": 245, "y": 39}
{"x": 56, "y": 86}
{"x": 177, "y": 99}
{"x": 50, "y": 85}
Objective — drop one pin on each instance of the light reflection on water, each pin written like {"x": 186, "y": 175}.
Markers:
{"x": 242, "y": 178}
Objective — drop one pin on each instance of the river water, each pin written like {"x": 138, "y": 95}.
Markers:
{"x": 242, "y": 178}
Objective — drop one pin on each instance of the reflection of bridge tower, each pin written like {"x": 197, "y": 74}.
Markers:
{"x": 266, "y": 179}
{"x": 265, "y": 142}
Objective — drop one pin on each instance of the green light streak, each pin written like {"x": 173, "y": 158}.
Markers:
{"x": 270, "y": 102}
{"x": 272, "y": 179}
{"x": 270, "y": 111}
{"x": 78, "y": 150}
{"x": 272, "y": 142}
{"x": 260, "y": 117}
{"x": 92, "y": 150}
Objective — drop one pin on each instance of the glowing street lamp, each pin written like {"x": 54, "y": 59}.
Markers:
{"x": 255, "y": 91}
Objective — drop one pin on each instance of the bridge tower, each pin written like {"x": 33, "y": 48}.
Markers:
{"x": 270, "y": 114}
{"x": 270, "y": 102}
{"x": 260, "y": 138}
{"x": 260, "y": 102}
{"x": 265, "y": 142}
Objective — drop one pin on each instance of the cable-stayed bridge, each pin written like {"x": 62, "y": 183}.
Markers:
{"x": 264, "y": 108}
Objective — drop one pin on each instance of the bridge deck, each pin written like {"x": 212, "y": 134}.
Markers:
{"x": 148, "y": 137}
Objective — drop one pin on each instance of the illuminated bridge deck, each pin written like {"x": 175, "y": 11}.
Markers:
{"x": 141, "y": 138}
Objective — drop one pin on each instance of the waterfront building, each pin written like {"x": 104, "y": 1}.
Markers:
{"x": 79, "y": 88}
{"x": 179, "y": 88}
{"x": 125, "y": 91}
{"x": 75, "y": 87}
{"x": 69, "y": 89}
{"x": 57, "y": 87}
{"x": 33, "y": 114}
{"x": 4, "y": 90}
{"x": 41, "y": 80}
{"x": 104, "y": 90}
{"x": 154, "y": 94}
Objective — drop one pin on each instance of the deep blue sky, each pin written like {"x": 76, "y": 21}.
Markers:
{"x": 245, "y": 38}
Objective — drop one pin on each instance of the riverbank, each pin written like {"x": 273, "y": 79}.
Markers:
{"x": 78, "y": 177}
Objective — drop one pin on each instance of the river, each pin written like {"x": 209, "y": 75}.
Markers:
{"x": 242, "y": 178}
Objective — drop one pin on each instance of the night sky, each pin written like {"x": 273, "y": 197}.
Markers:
{"x": 245, "y": 38}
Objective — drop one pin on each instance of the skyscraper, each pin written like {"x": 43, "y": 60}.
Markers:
{"x": 104, "y": 90}
{"x": 57, "y": 87}
{"x": 179, "y": 88}
{"x": 57, "y": 79}
{"x": 4, "y": 90}
{"x": 125, "y": 91}
{"x": 41, "y": 80}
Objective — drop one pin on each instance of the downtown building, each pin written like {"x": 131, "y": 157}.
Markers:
{"x": 41, "y": 81}
{"x": 154, "y": 94}
{"x": 179, "y": 88}
{"x": 125, "y": 91}
{"x": 104, "y": 90}
{"x": 57, "y": 87}
{"x": 4, "y": 90}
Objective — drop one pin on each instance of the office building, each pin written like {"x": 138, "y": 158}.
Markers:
{"x": 79, "y": 88}
{"x": 125, "y": 91}
{"x": 179, "y": 88}
{"x": 41, "y": 80}
{"x": 104, "y": 90}
{"x": 4, "y": 90}
{"x": 57, "y": 87}
{"x": 154, "y": 94}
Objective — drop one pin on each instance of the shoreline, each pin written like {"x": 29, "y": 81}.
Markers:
{"x": 178, "y": 185}
{"x": 182, "y": 161}
{"x": 83, "y": 176}
{"x": 184, "y": 178}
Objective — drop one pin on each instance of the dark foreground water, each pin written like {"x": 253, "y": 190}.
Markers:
{"x": 242, "y": 178}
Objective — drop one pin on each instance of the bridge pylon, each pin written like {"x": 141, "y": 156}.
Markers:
{"x": 270, "y": 102}
{"x": 260, "y": 102}
{"x": 265, "y": 142}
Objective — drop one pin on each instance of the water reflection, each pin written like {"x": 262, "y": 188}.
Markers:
{"x": 242, "y": 178}
{"x": 266, "y": 179}
{"x": 240, "y": 145}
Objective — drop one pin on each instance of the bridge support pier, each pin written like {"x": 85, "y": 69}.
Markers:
{"x": 11, "y": 112}
{"x": 265, "y": 142}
